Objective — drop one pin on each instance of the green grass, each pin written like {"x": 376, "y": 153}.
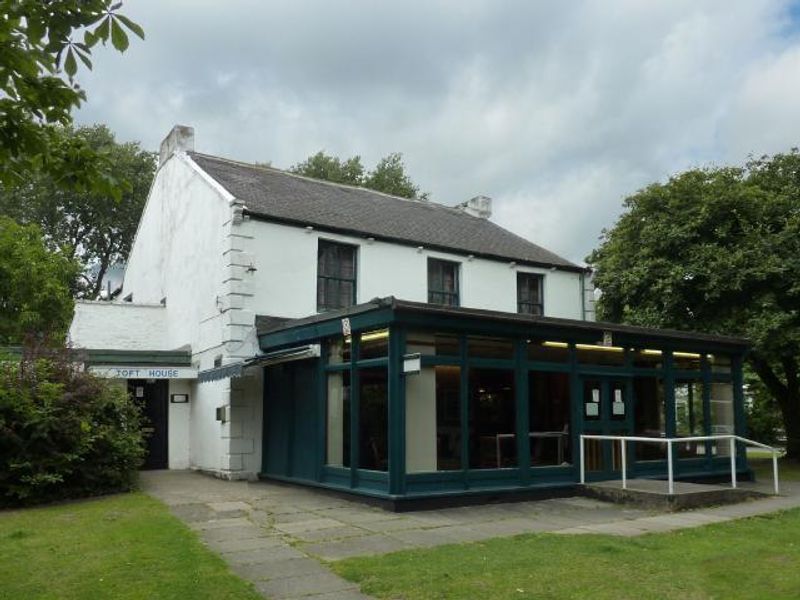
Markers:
{"x": 752, "y": 558}
{"x": 761, "y": 463}
{"x": 125, "y": 546}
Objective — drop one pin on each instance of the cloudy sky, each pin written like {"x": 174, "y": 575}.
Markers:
{"x": 557, "y": 110}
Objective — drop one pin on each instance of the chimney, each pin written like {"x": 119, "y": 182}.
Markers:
{"x": 180, "y": 139}
{"x": 479, "y": 206}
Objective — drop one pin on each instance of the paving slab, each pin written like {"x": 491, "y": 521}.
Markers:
{"x": 333, "y": 533}
{"x": 261, "y": 555}
{"x": 304, "y": 585}
{"x": 284, "y": 567}
{"x": 240, "y": 545}
{"x": 307, "y": 525}
{"x": 369, "y": 545}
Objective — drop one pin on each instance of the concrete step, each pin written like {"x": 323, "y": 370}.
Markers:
{"x": 652, "y": 494}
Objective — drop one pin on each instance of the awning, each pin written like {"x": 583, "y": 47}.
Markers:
{"x": 263, "y": 360}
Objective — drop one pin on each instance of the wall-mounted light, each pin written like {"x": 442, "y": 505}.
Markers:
{"x": 420, "y": 249}
{"x": 309, "y": 229}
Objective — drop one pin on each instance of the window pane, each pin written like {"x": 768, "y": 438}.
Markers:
{"x": 492, "y": 419}
{"x": 529, "y": 293}
{"x": 490, "y": 347}
{"x": 433, "y": 420}
{"x": 649, "y": 416}
{"x": 336, "y": 275}
{"x": 439, "y": 344}
{"x": 648, "y": 359}
{"x": 549, "y": 400}
{"x": 548, "y": 351}
{"x": 338, "y": 420}
{"x": 373, "y": 419}
{"x": 374, "y": 344}
{"x": 722, "y": 417}
{"x": 443, "y": 282}
{"x": 686, "y": 361}
{"x": 689, "y": 419}
{"x": 600, "y": 355}
{"x": 338, "y": 350}
{"x": 719, "y": 363}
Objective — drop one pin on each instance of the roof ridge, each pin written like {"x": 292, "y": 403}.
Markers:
{"x": 331, "y": 183}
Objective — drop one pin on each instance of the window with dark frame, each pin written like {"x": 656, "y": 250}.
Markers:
{"x": 530, "y": 294}
{"x": 336, "y": 275}
{"x": 443, "y": 282}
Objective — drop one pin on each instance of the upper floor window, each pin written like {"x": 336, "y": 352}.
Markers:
{"x": 443, "y": 282}
{"x": 530, "y": 294}
{"x": 336, "y": 275}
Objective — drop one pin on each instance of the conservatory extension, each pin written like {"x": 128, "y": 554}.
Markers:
{"x": 407, "y": 401}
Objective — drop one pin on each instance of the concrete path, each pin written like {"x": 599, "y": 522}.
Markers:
{"x": 275, "y": 535}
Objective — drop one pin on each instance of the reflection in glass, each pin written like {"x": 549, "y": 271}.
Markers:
{"x": 686, "y": 361}
{"x": 649, "y": 416}
{"x": 548, "y": 351}
{"x": 689, "y": 418}
{"x": 492, "y": 419}
{"x": 549, "y": 410}
{"x": 600, "y": 355}
{"x": 374, "y": 344}
{"x": 490, "y": 347}
{"x": 337, "y": 446}
{"x": 373, "y": 418}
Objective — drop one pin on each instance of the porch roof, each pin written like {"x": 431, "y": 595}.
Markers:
{"x": 384, "y": 311}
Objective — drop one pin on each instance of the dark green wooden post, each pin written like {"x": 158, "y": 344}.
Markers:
{"x": 355, "y": 436}
{"x": 397, "y": 412}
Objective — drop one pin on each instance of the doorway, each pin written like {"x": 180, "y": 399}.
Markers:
{"x": 607, "y": 410}
{"x": 152, "y": 395}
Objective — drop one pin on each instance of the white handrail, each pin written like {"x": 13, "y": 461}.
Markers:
{"x": 732, "y": 439}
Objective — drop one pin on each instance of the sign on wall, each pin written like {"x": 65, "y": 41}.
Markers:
{"x": 153, "y": 372}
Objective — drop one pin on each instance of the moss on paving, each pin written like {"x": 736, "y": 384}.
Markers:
{"x": 754, "y": 558}
{"x": 124, "y": 546}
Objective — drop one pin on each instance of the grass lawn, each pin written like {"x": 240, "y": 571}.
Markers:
{"x": 752, "y": 558}
{"x": 124, "y": 546}
{"x": 761, "y": 463}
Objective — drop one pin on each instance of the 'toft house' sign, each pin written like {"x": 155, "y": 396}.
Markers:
{"x": 154, "y": 372}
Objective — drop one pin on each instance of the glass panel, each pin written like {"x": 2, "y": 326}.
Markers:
{"x": 336, "y": 275}
{"x": 529, "y": 293}
{"x": 374, "y": 344}
{"x": 549, "y": 410}
{"x": 443, "y": 282}
{"x": 722, "y": 419}
{"x": 649, "y": 416}
{"x": 373, "y": 419}
{"x": 719, "y": 363}
{"x": 440, "y": 344}
{"x": 488, "y": 347}
{"x": 548, "y": 351}
{"x": 648, "y": 359}
{"x": 433, "y": 420}
{"x": 492, "y": 419}
{"x": 592, "y": 405}
{"x": 338, "y": 351}
{"x": 686, "y": 361}
{"x": 600, "y": 355}
{"x": 689, "y": 419}
{"x": 338, "y": 420}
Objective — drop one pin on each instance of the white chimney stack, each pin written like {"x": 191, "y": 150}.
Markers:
{"x": 180, "y": 139}
{"x": 479, "y": 206}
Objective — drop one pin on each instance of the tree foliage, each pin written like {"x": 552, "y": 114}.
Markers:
{"x": 35, "y": 298}
{"x": 389, "y": 175}
{"x": 64, "y": 433}
{"x": 94, "y": 228}
{"x": 41, "y": 43}
{"x": 716, "y": 250}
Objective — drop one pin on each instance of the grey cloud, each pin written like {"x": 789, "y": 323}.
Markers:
{"x": 557, "y": 110}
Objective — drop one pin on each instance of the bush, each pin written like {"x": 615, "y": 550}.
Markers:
{"x": 64, "y": 433}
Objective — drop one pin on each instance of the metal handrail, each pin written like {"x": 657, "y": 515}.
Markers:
{"x": 732, "y": 439}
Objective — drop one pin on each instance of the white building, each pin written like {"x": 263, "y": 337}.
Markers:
{"x": 226, "y": 251}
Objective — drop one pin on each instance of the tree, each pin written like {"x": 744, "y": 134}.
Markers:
{"x": 389, "y": 175}
{"x": 716, "y": 250}
{"x": 42, "y": 42}
{"x": 35, "y": 298}
{"x": 94, "y": 228}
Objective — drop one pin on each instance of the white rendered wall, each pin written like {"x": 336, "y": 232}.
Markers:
{"x": 118, "y": 326}
{"x": 285, "y": 280}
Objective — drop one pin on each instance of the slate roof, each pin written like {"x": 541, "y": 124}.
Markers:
{"x": 280, "y": 196}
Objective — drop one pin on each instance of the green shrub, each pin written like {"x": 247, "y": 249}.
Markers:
{"x": 64, "y": 433}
